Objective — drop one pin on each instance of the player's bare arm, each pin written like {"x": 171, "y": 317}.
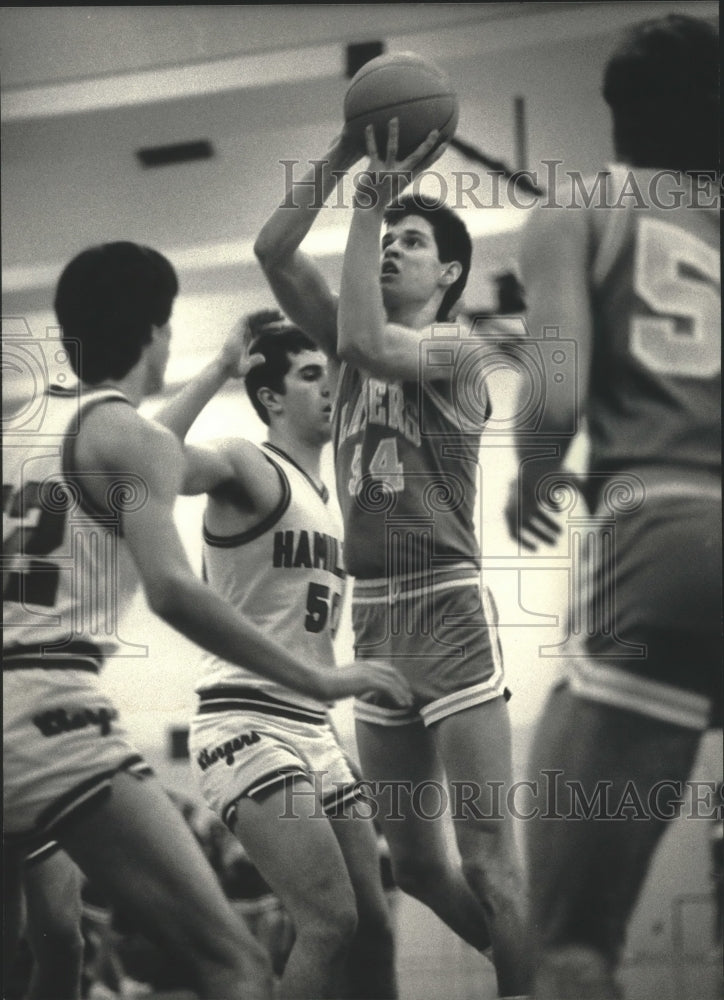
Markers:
{"x": 367, "y": 339}
{"x": 231, "y": 470}
{"x": 553, "y": 262}
{"x": 208, "y": 468}
{"x": 297, "y": 282}
{"x": 115, "y": 443}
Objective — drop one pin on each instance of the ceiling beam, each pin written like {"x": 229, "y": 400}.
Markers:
{"x": 524, "y": 25}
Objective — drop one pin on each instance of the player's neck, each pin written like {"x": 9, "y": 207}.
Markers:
{"x": 132, "y": 386}
{"x": 415, "y": 315}
{"x": 305, "y": 454}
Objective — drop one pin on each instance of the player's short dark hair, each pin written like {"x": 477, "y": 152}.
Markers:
{"x": 662, "y": 85}
{"x": 109, "y": 298}
{"x": 451, "y": 237}
{"x": 278, "y": 341}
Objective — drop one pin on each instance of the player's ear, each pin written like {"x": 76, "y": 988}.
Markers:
{"x": 451, "y": 271}
{"x": 269, "y": 399}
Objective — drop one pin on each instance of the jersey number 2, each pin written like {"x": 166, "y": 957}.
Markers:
{"x": 29, "y": 580}
{"x": 664, "y": 253}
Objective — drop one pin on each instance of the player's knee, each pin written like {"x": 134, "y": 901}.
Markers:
{"x": 332, "y": 939}
{"x": 326, "y": 915}
{"x": 417, "y": 877}
{"x": 497, "y": 880}
{"x": 233, "y": 956}
{"x": 335, "y": 920}
{"x": 375, "y": 925}
{"x": 256, "y": 966}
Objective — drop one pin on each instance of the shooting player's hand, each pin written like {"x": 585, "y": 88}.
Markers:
{"x": 388, "y": 175}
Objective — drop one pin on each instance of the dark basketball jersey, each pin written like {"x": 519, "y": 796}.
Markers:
{"x": 656, "y": 365}
{"x": 406, "y": 475}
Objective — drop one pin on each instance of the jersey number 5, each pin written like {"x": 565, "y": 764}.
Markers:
{"x": 691, "y": 347}
{"x": 320, "y": 609}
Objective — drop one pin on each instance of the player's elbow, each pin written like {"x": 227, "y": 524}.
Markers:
{"x": 267, "y": 251}
{"x": 262, "y": 249}
{"x": 357, "y": 345}
{"x": 354, "y": 354}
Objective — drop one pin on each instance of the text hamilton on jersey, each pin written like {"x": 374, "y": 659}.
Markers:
{"x": 307, "y": 550}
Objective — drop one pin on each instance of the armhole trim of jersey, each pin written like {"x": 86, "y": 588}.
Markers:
{"x": 321, "y": 491}
{"x": 448, "y": 410}
{"x": 268, "y": 522}
{"x": 608, "y": 242}
{"x": 68, "y": 463}
{"x": 337, "y": 404}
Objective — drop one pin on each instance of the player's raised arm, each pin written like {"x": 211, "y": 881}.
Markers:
{"x": 298, "y": 284}
{"x": 379, "y": 321}
{"x": 554, "y": 258}
{"x": 120, "y": 443}
{"x": 208, "y": 467}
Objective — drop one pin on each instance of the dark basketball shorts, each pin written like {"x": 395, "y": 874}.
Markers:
{"x": 440, "y": 632}
{"x": 657, "y": 598}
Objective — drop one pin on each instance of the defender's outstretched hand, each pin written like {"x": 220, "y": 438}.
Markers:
{"x": 236, "y": 356}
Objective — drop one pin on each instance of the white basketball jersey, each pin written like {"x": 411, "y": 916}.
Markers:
{"x": 285, "y": 575}
{"x": 67, "y": 573}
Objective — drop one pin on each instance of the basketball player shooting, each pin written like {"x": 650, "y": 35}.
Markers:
{"x": 458, "y": 729}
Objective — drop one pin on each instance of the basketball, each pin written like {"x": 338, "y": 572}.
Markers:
{"x": 400, "y": 85}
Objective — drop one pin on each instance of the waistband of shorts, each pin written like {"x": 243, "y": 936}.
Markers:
{"x": 656, "y": 482}
{"x": 396, "y": 586}
{"x": 75, "y": 656}
{"x": 233, "y": 698}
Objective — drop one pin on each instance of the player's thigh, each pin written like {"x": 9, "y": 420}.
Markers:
{"x": 13, "y": 858}
{"x": 139, "y": 851}
{"x": 475, "y": 747}
{"x": 357, "y": 839}
{"x": 289, "y": 839}
{"x": 402, "y": 767}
